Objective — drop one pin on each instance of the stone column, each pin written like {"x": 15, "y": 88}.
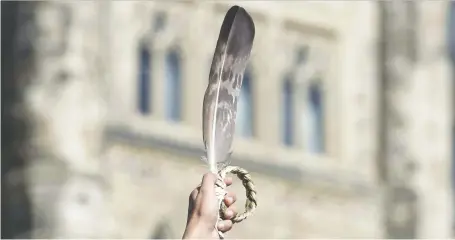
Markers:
{"x": 432, "y": 128}
{"x": 66, "y": 108}
{"x": 17, "y": 66}
{"x": 398, "y": 60}
{"x": 356, "y": 104}
{"x": 268, "y": 81}
{"x": 197, "y": 62}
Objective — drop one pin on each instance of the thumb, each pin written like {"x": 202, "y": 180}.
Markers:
{"x": 208, "y": 185}
{"x": 206, "y": 200}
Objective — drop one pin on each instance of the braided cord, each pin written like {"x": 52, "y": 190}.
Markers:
{"x": 251, "y": 201}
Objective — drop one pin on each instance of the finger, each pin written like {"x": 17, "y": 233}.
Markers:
{"x": 208, "y": 184}
{"x": 224, "y": 226}
{"x": 230, "y": 199}
{"x": 194, "y": 194}
{"x": 230, "y": 213}
{"x": 228, "y": 181}
{"x": 191, "y": 202}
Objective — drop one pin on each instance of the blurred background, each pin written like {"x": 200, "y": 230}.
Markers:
{"x": 345, "y": 117}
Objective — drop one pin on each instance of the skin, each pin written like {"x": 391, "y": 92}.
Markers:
{"x": 203, "y": 210}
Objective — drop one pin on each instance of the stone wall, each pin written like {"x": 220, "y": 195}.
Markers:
{"x": 151, "y": 185}
{"x": 131, "y": 178}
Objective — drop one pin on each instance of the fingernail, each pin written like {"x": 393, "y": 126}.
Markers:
{"x": 229, "y": 212}
{"x": 229, "y": 199}
{"x": 220, "y": 225}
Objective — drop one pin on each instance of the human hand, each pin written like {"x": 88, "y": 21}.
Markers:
{"x": 203, "y": 210}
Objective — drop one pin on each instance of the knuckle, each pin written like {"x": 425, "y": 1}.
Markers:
{"x": 193, "y": 194}
{"x": 208, "y": 177}
{"x": 233, "y": 196}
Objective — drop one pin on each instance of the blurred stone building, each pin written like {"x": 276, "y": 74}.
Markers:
{"x": 115, "y": 102}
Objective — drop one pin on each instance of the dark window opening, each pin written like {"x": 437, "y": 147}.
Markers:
{"x": 173, "y": 86}
{"x": 144, "y": 80}
{"x": 288, "y": 112}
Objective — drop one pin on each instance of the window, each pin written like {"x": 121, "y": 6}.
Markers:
{"x": 144, "y": 80}
{"x": 173, "y": 86}
{"x": 145, "y": 65}
{"x": 288, "y": 112}
{"x": 302, "y": 93}
{"x": 314, "y": 133}
{"x": 245, "y": 108}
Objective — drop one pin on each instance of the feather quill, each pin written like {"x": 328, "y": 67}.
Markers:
{"x": 219, "y": 112}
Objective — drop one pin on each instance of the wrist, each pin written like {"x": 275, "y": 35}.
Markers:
{"x": 198, "y": 228}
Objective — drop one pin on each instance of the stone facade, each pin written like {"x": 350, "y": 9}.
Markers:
{"x": 295, "y": 187}
{"x": 126, "y": 174}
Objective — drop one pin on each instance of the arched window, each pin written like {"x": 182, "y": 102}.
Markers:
{"x": 144, "y": 78}
{"x": 245, "y": 107}
{"x": 314, "y": 127}
{"x": 173, "y": 83}
{"x": 288, "y": 112}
